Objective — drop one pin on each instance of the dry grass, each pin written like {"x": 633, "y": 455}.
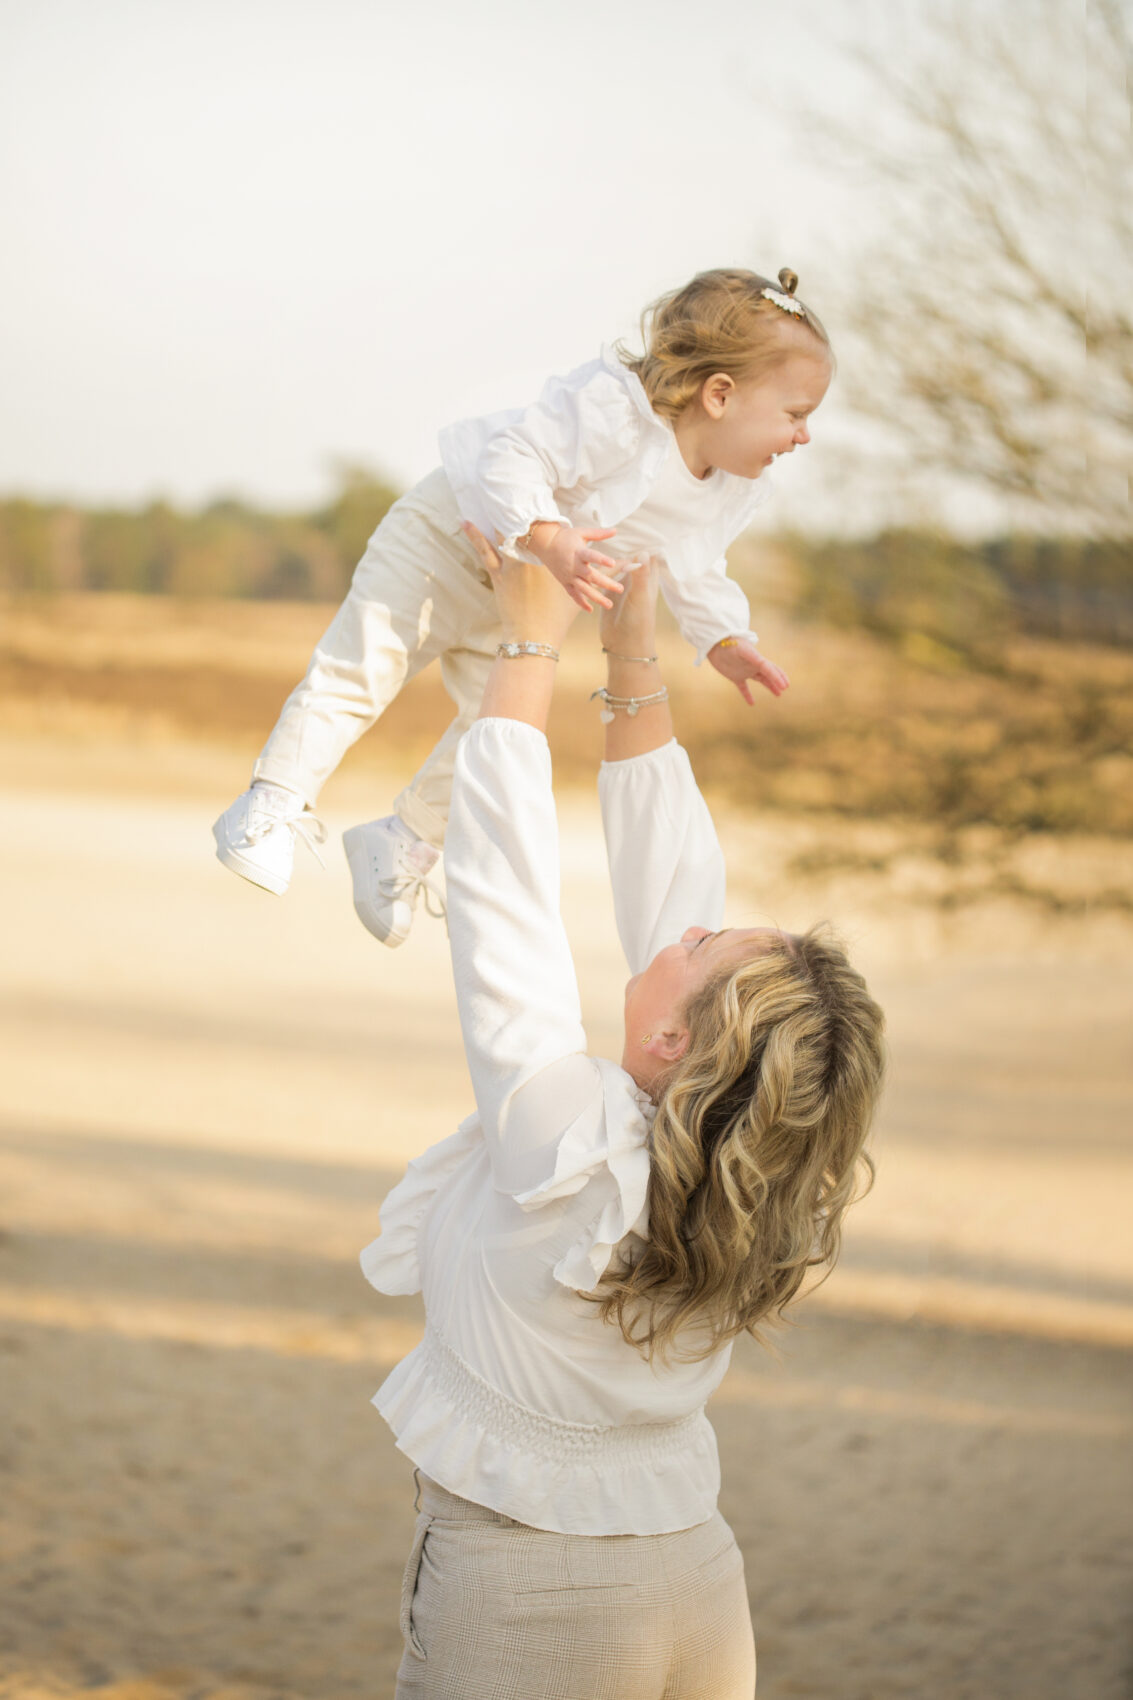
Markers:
{"x": 898, "y": 753}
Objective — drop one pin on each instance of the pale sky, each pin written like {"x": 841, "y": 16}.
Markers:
{"x": 243, "y": 238}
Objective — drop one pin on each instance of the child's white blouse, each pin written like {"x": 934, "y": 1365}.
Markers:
{"x": 519, "y": 1397}
{"x": 592, "y": 452}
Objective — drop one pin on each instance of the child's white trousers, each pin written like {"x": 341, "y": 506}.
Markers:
{"x": 418, "y": 593}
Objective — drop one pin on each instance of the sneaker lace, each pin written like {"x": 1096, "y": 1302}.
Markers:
{"x": 263, "y": 818}
{"x": 408, "y": 884}
{"x": 312, "y": 831}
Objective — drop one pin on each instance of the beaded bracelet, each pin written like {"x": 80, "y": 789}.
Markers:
{"x": 618, "y": 656}
{"x": 511, "y": 650}
{"x": 630, "y": 704}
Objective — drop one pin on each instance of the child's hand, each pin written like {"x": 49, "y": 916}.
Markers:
{"x": 571, "y": 557}
{"x": 739, "y": 660}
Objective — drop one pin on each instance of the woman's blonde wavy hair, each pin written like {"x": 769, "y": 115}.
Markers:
{"x": 756, "y": 1149}
{"x": 720, "y": 322}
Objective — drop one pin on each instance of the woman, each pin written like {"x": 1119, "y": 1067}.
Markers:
{"x": 591, "y": 1241}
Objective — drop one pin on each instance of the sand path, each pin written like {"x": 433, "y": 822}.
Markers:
{"x": 205, "y": 1094}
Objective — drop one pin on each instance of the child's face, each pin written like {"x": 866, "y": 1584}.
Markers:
{"x": 752, "y": 420}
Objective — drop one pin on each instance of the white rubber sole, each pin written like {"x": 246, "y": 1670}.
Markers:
{"x": 248, "y": 870}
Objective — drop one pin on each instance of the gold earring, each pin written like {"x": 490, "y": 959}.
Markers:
{"x": 646, "y": 1038}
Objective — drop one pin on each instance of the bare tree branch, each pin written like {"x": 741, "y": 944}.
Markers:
{"x": 996, "y": 327}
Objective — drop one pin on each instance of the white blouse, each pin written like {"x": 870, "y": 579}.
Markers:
{"x": 592, "y": 452}
{"x": 519, "y": 1397}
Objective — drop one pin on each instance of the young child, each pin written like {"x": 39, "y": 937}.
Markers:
{"x": 666, "y": 453}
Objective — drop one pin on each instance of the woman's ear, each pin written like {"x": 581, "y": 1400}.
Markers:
{"x": 669, "y": 1047}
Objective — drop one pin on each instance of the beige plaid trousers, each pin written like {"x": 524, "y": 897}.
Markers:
{"x": 492, "y": 1609}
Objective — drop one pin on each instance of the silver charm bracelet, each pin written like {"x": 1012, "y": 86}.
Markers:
{"x": 511, "y": 650}
{"x": 630, "y": 704}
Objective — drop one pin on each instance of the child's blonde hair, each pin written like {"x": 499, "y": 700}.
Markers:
{"x": 720, "y": 322}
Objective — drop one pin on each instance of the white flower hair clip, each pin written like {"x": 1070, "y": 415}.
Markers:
{"x": 786, "y": 302}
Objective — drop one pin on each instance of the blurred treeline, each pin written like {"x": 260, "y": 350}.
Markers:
{"x": 957, "y": 598}
{"x": 228, "y": 548}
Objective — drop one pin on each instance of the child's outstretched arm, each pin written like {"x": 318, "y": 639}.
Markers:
{"x": 713, "y": 614}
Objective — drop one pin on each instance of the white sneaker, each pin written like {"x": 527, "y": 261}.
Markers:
{"x": 256, "y": 836}
{"x": 389, "y": 867}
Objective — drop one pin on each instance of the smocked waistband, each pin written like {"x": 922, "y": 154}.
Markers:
{"x": 535, "y": 1432}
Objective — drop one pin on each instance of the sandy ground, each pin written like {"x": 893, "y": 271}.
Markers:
{"x": 205, "y": 1093}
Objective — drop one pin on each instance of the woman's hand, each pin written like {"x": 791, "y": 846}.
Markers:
{"x": 533, "y": 607}
{"x": 630, "y": 626}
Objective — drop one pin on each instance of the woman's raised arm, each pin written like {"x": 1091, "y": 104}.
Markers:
{"x": 666, "y": 866}
{"x": 515, "y": 981}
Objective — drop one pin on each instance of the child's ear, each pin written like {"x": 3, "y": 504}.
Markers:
{"x": 715, "y": 393}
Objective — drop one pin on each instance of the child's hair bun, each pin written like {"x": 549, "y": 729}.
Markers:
{"x": 789, "y": 280}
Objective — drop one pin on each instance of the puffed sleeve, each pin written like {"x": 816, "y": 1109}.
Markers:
{"x": 583, "y": 429}
{"x": 516, "y": 990}
{"x": 708, "y": 607}
{"x": 666, "y": 865}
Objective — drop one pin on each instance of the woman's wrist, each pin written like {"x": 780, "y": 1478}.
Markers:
{"x": 623, "y": 670}
{"x": 536, "y": 610}
{"x": 519, "y": 649}
{"x": 548, "y": 632}
{"x": 621, "y": 655}
{"x": 520, "y": 690}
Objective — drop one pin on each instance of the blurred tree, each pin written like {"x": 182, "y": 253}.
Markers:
{"x": 990, "y": 333}
{"x": 305, "y": 564}
{"x": 362, "y": 500}
{"x": 220, "y": 552}
{"x": 115, "y": 552}
{"x": 26, "y": 555}
{"x": 161, "y": 527}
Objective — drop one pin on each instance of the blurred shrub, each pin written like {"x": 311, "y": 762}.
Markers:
{"x": 1066, "y": 588}
{"x": 939, "y": 598}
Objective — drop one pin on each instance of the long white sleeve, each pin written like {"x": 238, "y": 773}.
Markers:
{"x": 708, "y": 607}
{"x": 583, "y": 430}
{"x": 515, "y": 982}
{"x": 666, "y": 866}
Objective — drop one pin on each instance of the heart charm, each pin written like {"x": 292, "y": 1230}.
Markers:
{"x": 606, "y": 715}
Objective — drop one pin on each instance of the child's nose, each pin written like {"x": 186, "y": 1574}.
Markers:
{"x": 802, "y": 435}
